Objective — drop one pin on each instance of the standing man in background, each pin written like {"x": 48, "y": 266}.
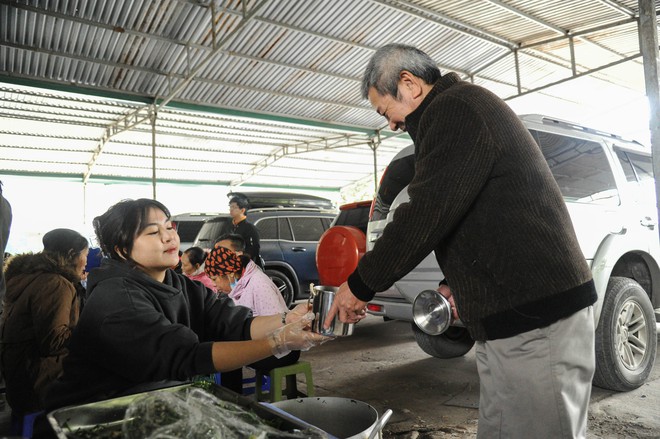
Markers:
{"x": 238, "y": 207}
{"x": 484, "y": 200}
{"x": 5, "y": 225}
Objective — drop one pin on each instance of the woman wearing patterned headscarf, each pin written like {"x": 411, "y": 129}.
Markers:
{"x": 244, "y": 281}
{"x": 236, "y": 275}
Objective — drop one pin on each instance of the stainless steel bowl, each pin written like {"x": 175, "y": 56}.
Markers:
{"x": 432, "y": 312}
{"x": 322, "y": 297}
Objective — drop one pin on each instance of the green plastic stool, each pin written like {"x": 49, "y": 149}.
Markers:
{"x": 276, "y": 393}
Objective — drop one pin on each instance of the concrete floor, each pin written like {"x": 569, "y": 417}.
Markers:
{"x": 381, "y": 364}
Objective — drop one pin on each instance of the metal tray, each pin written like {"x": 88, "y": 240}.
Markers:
{"x": 109, "y": 414}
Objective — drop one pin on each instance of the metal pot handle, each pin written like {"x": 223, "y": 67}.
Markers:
{"x": 312, "y": 293}
{"x": 380, "y": 424}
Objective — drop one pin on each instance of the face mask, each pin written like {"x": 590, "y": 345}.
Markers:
{"x": 232, "y": 284}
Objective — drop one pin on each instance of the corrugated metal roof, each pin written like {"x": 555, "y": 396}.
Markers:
{"x": 267, "y": 92}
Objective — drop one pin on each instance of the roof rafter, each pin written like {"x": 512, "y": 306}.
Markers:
{"x": 146, "y": 113}
{"x": 468, "y": 29}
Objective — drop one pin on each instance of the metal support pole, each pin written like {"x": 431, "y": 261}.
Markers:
{"x": 84, "y": 202}
{"x": 374, "y": 143}
{"x": 152, "y": 116}
{"x": 517, "y": 66}
{"x": 571, "y": 45}
{"x": 648, "y": 43}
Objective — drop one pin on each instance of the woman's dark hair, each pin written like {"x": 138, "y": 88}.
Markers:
{"x": 64, "y": 242}
{"x": 64, "y": 246}
{"x": 118, "y": 227}
{"x": 196, "y": 255}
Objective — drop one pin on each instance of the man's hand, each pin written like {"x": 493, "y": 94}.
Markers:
{"x": 445, "y": 291}
{"x": 350, "y": 308}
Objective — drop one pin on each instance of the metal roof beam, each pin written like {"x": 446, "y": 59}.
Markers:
{"x": 303, "y": 147}
{"x": 189, "y": 44}
{"x": 186, "y": 79}
{"x": 467, "y": 29}
{"x": 557, "y": 29}
{"x": 144, "y": 114}
{"x": 619, "y": 8}
{"x": 203, "y": 63}
{"x": 548, "y": 57}
{"x": 45, "y": 119}
{"x": 71, "y": 98}
{"x": 48, "y": 135}
{"x": 578, "y": 75}
{"x": 449, "y": 22}
{"x": 61, "y": 106}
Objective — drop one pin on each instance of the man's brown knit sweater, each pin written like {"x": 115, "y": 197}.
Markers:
{"x": 485, "y": 200}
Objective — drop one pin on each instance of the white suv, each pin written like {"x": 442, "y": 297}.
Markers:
{"x": 608, "y": 186}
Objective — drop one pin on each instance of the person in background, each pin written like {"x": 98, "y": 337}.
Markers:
{"x": 230, "y": 272}
{"x": 93, "y": 261}
{"x": 192, "y": 265}
{"x": 177, "y": 268}
{"x": 147, "y": 327}
{"x": 248, "y": 285}
{"x": 5, "y": 226}
{"x": 41, "y": 309}
{"x": 484, "y": 200}
{"x": 238, "y": 207}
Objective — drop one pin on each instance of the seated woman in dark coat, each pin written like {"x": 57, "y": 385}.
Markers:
{"x": 40, "y": 311}
{"x": 144, "y": 326}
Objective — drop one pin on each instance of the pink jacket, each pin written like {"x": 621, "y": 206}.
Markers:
{"x": 203, "y": 278}
{"x": 256, "y": 291}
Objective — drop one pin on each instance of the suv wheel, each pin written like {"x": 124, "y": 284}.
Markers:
{"x": 283, "y": 284}
{"x": 625, "y": 337}
{"x": 454, "y": 342}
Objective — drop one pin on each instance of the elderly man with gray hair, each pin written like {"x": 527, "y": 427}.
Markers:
{"x": 484, "y": 200}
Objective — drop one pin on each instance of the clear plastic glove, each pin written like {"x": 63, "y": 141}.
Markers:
{"x": 295, "y": 336}
{"x": 298, "y": 313}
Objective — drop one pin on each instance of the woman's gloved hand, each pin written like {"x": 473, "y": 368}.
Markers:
{"x": 298, "y": 312}
{"x": 295, "y": 336}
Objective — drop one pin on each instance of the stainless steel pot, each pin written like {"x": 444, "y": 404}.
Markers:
{"x": 340, "y": 417}
{"x": 322, "y": 297}
{"x": 432, "y": 312}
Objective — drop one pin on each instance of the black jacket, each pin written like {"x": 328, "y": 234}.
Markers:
{"x": 251, "y": 236}
{"x": 484, "y": 199}
{"x": 136, "y": 333}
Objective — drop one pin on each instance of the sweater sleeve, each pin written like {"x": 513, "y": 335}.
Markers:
{"x": 453, "y": 162}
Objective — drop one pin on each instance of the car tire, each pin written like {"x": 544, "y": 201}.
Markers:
{"x": 452, "y": 343}
{"x": 283, "y": 284}
{"x": 626, "y": 339}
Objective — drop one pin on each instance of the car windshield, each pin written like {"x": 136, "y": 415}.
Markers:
{"x": 211, "y": 230}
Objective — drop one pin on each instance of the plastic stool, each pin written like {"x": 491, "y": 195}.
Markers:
{"x": 28, "y": 423}
{"x": 276, "y": 393}
{"x": 250, "y": 384}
